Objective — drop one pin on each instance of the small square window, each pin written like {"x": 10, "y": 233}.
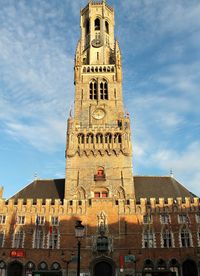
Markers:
{"x": 96, "y": 195}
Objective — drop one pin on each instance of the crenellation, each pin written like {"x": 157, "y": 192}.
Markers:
{"x": 123, "y": 216}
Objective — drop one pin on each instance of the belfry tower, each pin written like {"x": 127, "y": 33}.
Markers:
{"x": 98, "y": 152}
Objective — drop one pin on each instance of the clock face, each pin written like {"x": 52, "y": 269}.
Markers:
{"x": 97, "y": 42}
{"x": 98, "y": 114}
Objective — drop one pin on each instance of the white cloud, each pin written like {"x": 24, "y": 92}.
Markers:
{"x": 36, "y": 75}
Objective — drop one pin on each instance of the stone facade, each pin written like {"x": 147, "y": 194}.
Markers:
{"x": 132, "y": 225}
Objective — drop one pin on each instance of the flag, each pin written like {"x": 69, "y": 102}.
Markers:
{"x": 50, "y": 229}
{"x": 37, "y": 220}
{"x": 121, "y": 261}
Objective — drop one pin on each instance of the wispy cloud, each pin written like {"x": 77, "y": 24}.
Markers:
{"x": 36, "y": 73}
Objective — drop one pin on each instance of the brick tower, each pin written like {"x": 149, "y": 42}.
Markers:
{"x": 99, "y": 152}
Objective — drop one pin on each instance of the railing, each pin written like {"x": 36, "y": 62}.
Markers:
{"x": 98, "y": 69}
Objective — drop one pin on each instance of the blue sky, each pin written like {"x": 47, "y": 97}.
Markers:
{"x": 160, "y": 42}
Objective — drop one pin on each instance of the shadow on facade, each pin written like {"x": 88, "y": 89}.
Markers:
{"x": 107, "y": 249}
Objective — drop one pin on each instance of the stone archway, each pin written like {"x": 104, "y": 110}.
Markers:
{"x": 15, "y": 269}
{"x": 103, "y": 266}
{"x": 189, "y": 268}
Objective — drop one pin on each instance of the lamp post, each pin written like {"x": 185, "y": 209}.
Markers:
{"x": 79, "y": 233}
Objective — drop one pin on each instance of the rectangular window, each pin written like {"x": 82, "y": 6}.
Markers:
{"x": 104, "y": 194}
{"x": 39, "y": 238}
{"x": 183, "y": 218}
{"x": 40, "y": 220}
{"x": 148, "y": 239}
{"x": 54, "y": 221}
{"x": 96, "y": 195}
{"x": 21, "y": 219}
{"x": 54, "y": 239}
{"x": 147, "y": 219}
{"x": 167, "y": 239}
{"x": 165, "y": 218}
{"x": 2, "y": 219}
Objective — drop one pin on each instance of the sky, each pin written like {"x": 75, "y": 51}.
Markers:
{"x": 160, "y": 44}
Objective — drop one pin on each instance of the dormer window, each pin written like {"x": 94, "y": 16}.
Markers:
{"x": 97, "y": 24}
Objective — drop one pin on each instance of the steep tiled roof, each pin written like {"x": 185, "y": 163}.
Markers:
{"x": 159, "y": 187}
{"x": 145, "y": 187}
{"x": 53, "y": 188}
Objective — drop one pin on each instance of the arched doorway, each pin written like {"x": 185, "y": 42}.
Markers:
{"x": 189, "y": 268}
{"x": 103, "y": 266}
{"x": 15, "y": 269}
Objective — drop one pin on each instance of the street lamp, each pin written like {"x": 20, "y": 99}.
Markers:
{"x": 79, "y": 233}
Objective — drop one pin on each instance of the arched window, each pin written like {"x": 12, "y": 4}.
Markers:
{"x": 108, "y": 138}
{"x": 118, "y": 138}
{"x": 107, "y": 27}
{"x": 87, "y": 26}
{"x": 81, "y": 138}
{"x": 99, "y": 138}
{"x": 148, "y": 238}
{"x": 104, "y": 90}
{"x": 161, "y": 264}
{"x": 18, "y": 239}
{"x": 97, "y": 24}
{"x": 148, "y": 265}
{"x": 93, "y": 90}
{"x": 90, "y": 138}
{"x": 185, "y": 237}
{"x": 39, "y": 236}
{"x": 54, "y": 238}
{"x": 167, "y": 238}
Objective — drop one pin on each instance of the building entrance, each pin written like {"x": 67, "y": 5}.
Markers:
{"x": 103, "y": 268}
{"x": 189, "y": 268}
{"x": 15, "y": 269}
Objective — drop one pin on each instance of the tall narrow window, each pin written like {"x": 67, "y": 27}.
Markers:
{"x": 38, "y": 238}
{"x": 2, "y": 237}
{"x": 18, "y": 239}
{"x": 108, "y": 138}
{"x": 148, "y": 238}
{"x": 185, "y": 238}
{"x": 81, "y": 138}
{"x": 87, "y": 26}
{"x": 2, "y": 219}
{"x": 107, "y": 27}
{"x": 93, "y": 90}
{"x": 104, "y": 90}
{"x": 54, "y": 238}
{"x": 167, "y": 238}
{"x": 99, "y": 138}
{"x": 97, "y": 24}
